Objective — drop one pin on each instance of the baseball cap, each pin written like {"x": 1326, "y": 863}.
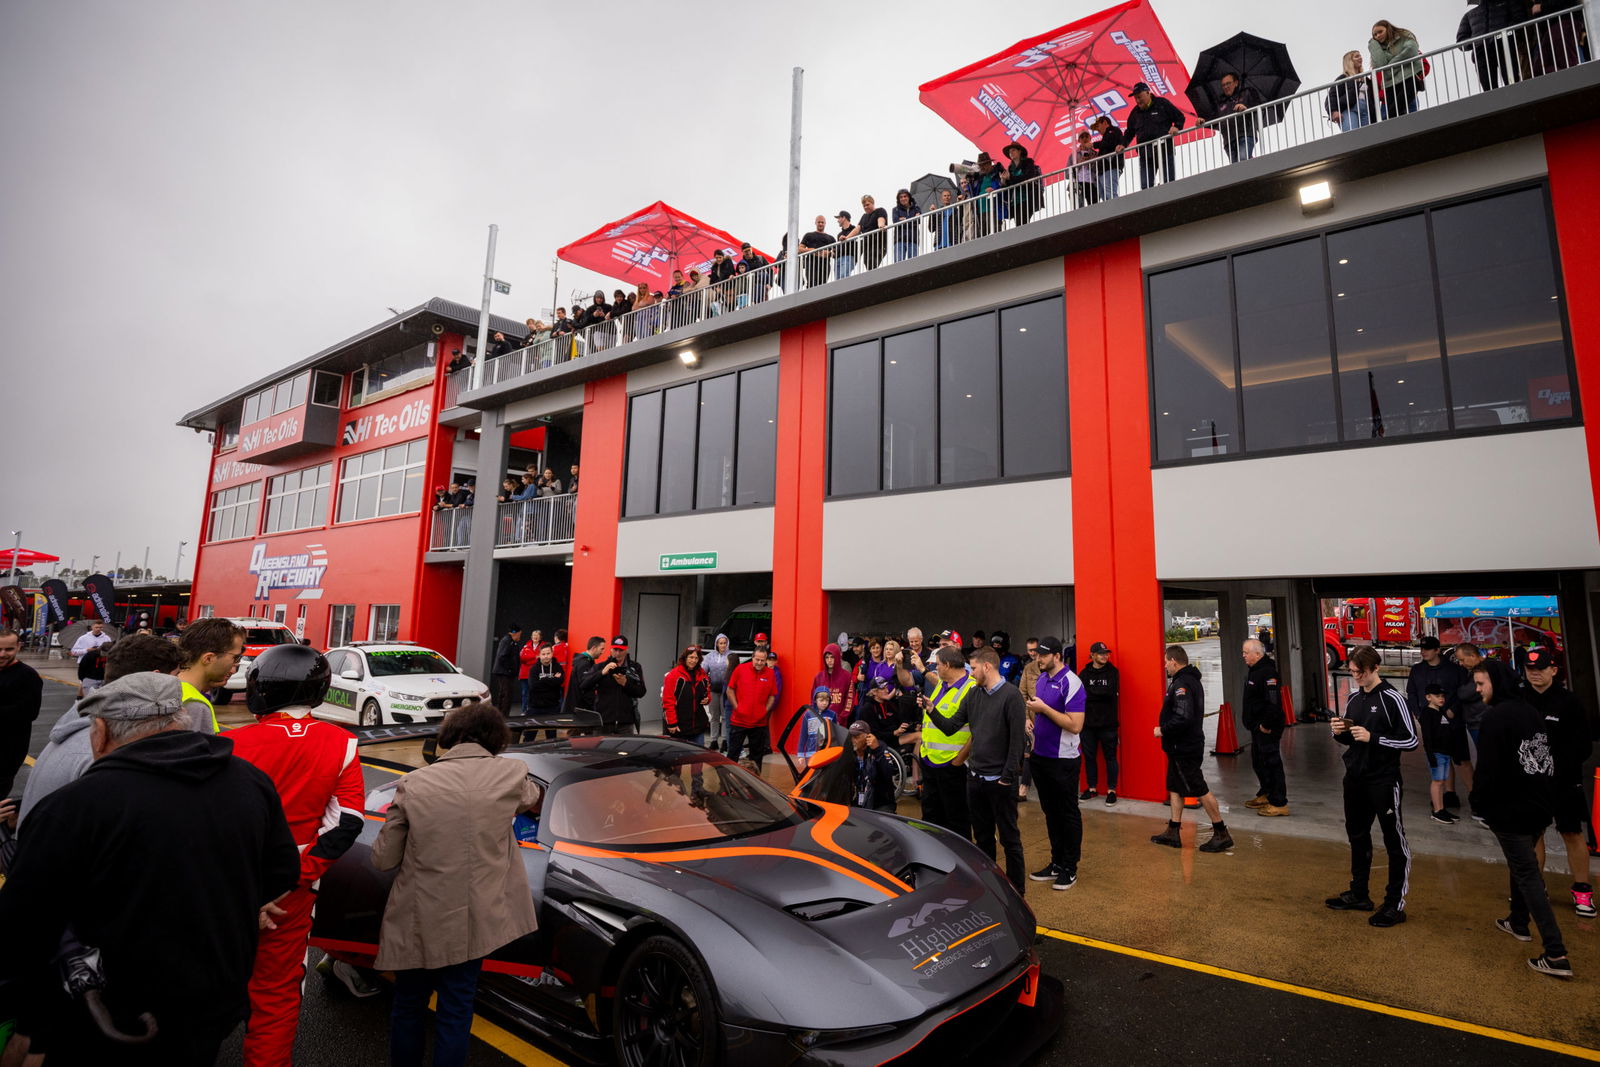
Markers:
{"x": 843, "y": 215}
{"x": 950, "y": 635}
{"x": 1050, "y": 646}
{"x": 858, "y": 727}
{"x": 134, "y": 697}
{"x": 1141, "y": 87}
{"x": 761, "y": 639}
{"x": 1539, "y": 659}
{"x": 619, "y": 642}
{"x": 1434, "y": 689}
{"x": 746, "y": 244}
{"x": 1428, "y": 642}
{"x": 1100, "y": 646}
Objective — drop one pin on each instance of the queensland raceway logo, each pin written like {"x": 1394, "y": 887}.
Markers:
{"x": 991, "y": 102}
{"x": 302, "y": 571}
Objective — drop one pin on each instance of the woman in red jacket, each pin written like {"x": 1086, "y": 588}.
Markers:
{"x": 685, "y": 692}
{"x": 527, "y": 658}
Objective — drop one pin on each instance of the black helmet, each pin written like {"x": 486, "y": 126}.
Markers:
{"x": 287, "y": 676}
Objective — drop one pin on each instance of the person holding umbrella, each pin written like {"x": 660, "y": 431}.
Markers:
{"x": 1150, "y": 122}
{"x": 1236, "y": 119}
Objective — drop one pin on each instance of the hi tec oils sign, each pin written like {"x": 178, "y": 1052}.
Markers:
{"x": 374, "y": 428}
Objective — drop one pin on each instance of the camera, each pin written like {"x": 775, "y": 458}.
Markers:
{"x": 964, "y": 168}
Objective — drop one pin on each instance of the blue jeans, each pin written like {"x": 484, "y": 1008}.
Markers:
{"x": 1108, "y": 179}
{"x": 843, "y": 265}
{"x": 524, "y": 696}
{"x": 408, "y": 1023}
{"x": 1354, "y": 120}
{"x": 904, "y": 250}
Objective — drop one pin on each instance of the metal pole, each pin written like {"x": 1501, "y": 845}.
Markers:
{"x": 117, "y": 570}
{"x": 177, "y": 568}
{"x": 16, "y": 551}
{"x": 483, "y": 314}
{"x": 555, "y": 285}
{"x": 794, "y": 181}
{"x": 144, "y": 572}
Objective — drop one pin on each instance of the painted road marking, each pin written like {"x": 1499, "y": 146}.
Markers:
{"x": 380, "y": 767}
{"x": 1561, "y": 1048}
{"x": 502, "y": 1040}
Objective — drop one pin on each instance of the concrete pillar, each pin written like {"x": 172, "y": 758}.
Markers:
{"x": 1233, "y": 618}
{"x": 480, "y": 584}
{"x": 799, "y": 604}
{"x": 596, "y": 590}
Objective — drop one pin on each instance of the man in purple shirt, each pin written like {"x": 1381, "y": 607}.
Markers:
{"x": 1058, "y": 704}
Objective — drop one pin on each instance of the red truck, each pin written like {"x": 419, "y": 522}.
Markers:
{"x": 1389, "y": 620}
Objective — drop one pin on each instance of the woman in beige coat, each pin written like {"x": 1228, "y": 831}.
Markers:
{"x": 462, "y": 891}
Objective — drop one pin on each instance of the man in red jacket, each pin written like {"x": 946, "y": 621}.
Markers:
{"x": 753, "y": 693}
{"x": 318, "y": 777}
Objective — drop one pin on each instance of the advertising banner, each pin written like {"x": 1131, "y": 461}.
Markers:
{"x": 13, "y": 606}
{"x": 57, "y": 596}
{"x": 102, "y": 594}
{"x": 41, "y": 612}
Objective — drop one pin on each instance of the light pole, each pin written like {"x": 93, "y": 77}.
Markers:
{"x": 177, "y": 567}
{"x": 93, "y": 563}
{"x": 117, "y": 569}
{"x": 16, "y": 551}
{"x": 144, "y": 572}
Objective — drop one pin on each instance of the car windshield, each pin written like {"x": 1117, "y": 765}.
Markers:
{"x": 742, "y": 627}
{"x": 268, "y": 635}
{"x": 698, "y": 800}
{"x": 408, "y": 661}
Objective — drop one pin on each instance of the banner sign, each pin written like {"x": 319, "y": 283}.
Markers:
{"x": 102, "y": 594}
{"x": 56, "y": 595}
{"x": 12, "y": 604}
{"x": 378, "y": 427}
{"x": 41, "y": 612}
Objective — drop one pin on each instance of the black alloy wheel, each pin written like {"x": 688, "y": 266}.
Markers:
{"x": 664, "y": 1013}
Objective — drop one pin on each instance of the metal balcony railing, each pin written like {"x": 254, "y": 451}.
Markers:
{"x": 544, "y": 520}
{"x": 452, "y": 530}
{"x": 1455, "y": 72}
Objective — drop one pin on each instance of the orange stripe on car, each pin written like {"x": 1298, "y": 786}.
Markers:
{"x": 833, "y": 815}
{"x": 953, "y": 944}
{"x": 695, "y": 854}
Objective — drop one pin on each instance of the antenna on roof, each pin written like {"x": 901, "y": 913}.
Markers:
{"x": 395, "y": 311}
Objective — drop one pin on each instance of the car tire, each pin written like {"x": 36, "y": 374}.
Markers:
{"x": 664, "y": 1010}
{"x": 371, "y": 714}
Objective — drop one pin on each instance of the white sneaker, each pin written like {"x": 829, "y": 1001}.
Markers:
{"x": 352, "y": 978}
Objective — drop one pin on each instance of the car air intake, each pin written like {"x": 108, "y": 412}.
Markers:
{"x": 818, "y": 910}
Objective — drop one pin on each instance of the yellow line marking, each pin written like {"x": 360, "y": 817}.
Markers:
{"x": 28, "y": 760}
{"x": 1559, "y": 1047}
{"x": 377, "y": 767}
{"x": 58, "y": 681}
{"x": 502, "y": 1040}
{"x": 953, "y": 944}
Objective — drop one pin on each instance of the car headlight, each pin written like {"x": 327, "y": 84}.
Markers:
{"x": 403, "y": 696}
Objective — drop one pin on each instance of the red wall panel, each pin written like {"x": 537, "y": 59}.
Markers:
{"x": 799, "y": 604}
{"x": 1573, "y": 156}
{"x": 596, "y": 590}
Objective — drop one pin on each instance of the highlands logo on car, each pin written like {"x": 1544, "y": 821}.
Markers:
{"x": 940, "y": 936}
{"x": 924, "y": 915}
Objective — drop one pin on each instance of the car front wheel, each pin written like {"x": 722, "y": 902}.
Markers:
{"x": 664, "y": 1011}
{"x": 371, "y": 714}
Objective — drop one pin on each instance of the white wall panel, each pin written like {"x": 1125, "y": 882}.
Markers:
{"x": 742, "y": 540}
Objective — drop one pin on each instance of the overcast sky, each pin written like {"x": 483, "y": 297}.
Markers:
{"x": 197, "y": 194}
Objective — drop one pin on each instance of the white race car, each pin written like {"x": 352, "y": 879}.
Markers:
{"x": 382, "y": 683}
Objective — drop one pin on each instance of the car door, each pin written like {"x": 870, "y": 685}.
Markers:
{"x": 344, "y": 694}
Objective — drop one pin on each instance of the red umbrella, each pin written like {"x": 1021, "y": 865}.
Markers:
{"x": 21, "y": 559}
{"x": 648, "y": 245}
{"x": 1040, "y": 92}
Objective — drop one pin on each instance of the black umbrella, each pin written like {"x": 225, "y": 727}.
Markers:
{"x": 925, "y": 190}
{"x": 1260, "y": 64}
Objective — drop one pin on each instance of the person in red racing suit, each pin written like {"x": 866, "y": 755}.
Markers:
{"x": 318, "y": 776}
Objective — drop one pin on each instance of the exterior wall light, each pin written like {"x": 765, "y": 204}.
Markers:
{"x": 1315, "y": 197}
{"x": 689, "y": 358}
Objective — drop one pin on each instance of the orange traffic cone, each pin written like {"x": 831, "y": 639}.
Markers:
{"x": 1288, "y": 703}
{"x": 1227, "y": 735}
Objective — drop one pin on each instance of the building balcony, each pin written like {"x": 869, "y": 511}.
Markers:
{"x": 545, "y": 520}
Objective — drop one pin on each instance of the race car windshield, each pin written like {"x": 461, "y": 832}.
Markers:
{"x": 409, "y": 661}
{"x": 693, "y": 802}
{"x": 266, "y": 636}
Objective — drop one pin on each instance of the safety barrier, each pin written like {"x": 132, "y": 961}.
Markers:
{"x": 452, "y": 530}
{"x": 544, "y": 520}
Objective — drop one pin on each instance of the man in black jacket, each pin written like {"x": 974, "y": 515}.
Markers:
{"x": 1261, "y": 709}
{"x": 616, "y": 684}
{"x": 578, "y": 699}
{"x": 1024, "y": 193}
{"x": 1100, "y": 685}
{"x": 162, "y": 857}
{"x": 1236, "y": 119}
{"x": 1183, "y": 739}
{"x": 503, "y": 671}
{"x": 1515, "y": 789}
{"x": 1150, "y": 120}
{"x": 1572, "y": 738}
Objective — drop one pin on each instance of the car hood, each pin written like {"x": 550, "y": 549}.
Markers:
{"x": 429, "y": 685}
{"x": 880, "y": 919}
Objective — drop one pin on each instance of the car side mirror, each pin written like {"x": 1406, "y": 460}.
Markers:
{"x": 350, "y": 674}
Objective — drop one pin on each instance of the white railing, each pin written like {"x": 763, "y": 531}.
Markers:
{"x": 543, "y": 520}
{"x": 452, "y": 530}
{"x": 1468, "y": 68}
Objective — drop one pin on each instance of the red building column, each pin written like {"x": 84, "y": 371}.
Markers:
{"x": 799, "y": 605}
{"x": 1117, "y": 596}
{"x": 1572, "y": 154}
{"x": 596, "y": 589}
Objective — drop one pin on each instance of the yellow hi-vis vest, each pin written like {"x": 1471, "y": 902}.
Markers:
{"x": 192, "y": 695}
{"x": 938, "y": 746}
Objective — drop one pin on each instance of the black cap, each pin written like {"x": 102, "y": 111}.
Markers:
{"x": 1100, "y": 646}
{"x": 1050, "y": 646}
{"x": 745, "y": 245}
{"x": 1434, "y": 689}
{"x": 515, "y": 627}
{"x": 843, "y": 215}
{"x": 1540, "y": 658}
{"x": 620, "y": 642}
{"x": 1428, "y": 642}
{"x": 1141, "y": 87}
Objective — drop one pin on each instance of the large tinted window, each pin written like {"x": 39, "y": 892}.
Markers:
{"x": 853, "y": 420}
{"x": 714, "y": 483}
{"x": 1504, "y": 341}
{"x": 1191, "y": 341}
{"x": 758, "y": 436}
{"x": 644, "y": 454}
{"x": 1284, "y": 363}
{"x": 910, "y": 409}
{"x": 969, "y": 401}
{"x": 1033, "y": 387}
{"x": 1391, "y": 375}
{"x": 679, "y": 421}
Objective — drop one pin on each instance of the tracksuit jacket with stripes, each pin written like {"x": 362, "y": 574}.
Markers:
{"x": 1383, "y": 712}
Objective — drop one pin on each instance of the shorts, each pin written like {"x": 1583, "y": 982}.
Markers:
{"x": 1184, "y": 776}
{"x": 1571, "y": 812}
{"x": 1439, "y": 766}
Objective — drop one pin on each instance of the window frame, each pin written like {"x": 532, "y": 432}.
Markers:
{"x": 350, "y": 620}
{"x": 268, "y": 497}
{"x": 338, "y": 490}
{"x": 212, "y": 507}
{"x": 1321, "y": 234}
{"x": 360, "y": 397}
{"x": 372, "y": 624}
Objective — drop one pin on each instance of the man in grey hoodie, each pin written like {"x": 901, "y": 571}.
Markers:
{"x": 68, "y": 754}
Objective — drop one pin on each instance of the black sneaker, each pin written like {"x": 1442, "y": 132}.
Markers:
{"x": 1111, "y": 796}
{"x": 1047, "y": 873}
{"x": 1221, "y": 842}
{"x": 1520, "y": 935}
{"x": 1556, "y": 968}
{"x": 1348, "y": 901}
{"x": 1171, "y": 837}
{"x": 1066, "y": 880}
{"x": 1443, "y": 815}
{"x": 1087, "y": 794}
{"x": 1451, "y": 800}
{"x": 1386, "y": 916}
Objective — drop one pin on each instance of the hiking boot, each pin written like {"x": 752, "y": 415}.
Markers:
{"x": 1386, "y": 916}
{"x": 1273, "y": 809}
{"x": 1451, "y": 800}
{"x": 1171, "y": 836}
{"x": 1583, "y": 899}
{"x": 1443, "y": 815}
{"x": 1066, "y": 880}
{"x": 1087, "y": 794}
{"x": 1556, "y": 968}
{"x": 1221, "y": 841}
{"x": 1111, "y": 796}
{"x": 1258, "y": 801}
{"x": 1047, "y": 873}
{"x": 1506, "y": 925}
{"x": 1349, "y": 901}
